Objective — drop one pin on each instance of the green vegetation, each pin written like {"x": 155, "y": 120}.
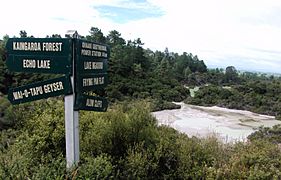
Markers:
{"x": 126, "y": 142}
{"x": 260, "y": 96}
{"x": 270, "y": 134}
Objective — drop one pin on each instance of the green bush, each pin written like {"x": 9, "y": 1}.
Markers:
{"x": 256, "y": 160}
{"x": 269, "y": 134}
{"x": 126, "y": 143}
{"x": 99, "y": 167}
{"x": 7, "y": 114}
{"x": 115, "y": 131}
{"x": 138, "y": 163}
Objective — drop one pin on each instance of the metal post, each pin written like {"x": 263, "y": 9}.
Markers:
{"x": 71, "y": 118}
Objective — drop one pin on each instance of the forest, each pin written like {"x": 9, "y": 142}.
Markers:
{"x": 125, "y": 142}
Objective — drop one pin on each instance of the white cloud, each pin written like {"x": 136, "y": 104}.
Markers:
{"x": 125, "y": 4}
{"x": 214, "y": 29}
{"x": 218, "y": 31}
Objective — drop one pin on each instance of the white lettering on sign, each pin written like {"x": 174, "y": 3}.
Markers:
{"x": 53, "y": 87}
{"x": 36, "y": 91}
{"x": 27, "y": 46}
{"x": 94, "y": 103}
{"x": 43, "y": 64}
{"x": 32, "y": 63}
{"x": 86, "y": 45}
{"x": 94, "y": 50}
{"x": 93, "y": 46}
{"x": 21, "y": 94}
{"x": 93, "y": 65}
{"x": 99, "y": 47}
{"x": 96, "y": 53}
{"x": 37, "y": 46}
{"x": 93, "y": 81}
{"x": 18, "y": 95}
{"x": 29, "y": 63}
{"x": 52, "y": 46}
{"x": 86, "y": 52}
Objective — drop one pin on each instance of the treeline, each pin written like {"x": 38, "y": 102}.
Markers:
{"x": 246, "y": 91}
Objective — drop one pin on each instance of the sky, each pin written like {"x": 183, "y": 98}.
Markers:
{"x": 241, "y": 33}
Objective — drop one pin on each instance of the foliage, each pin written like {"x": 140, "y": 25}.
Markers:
{"x": 269, "y": 134}
{"x": 6, "y": 113}
{"x": 162, "y": 105}
{"x": 256, "y": 160}
{"x": 256, "y": 96}
{"x": 125, "y": 142}
{"x": 99, "y": 167}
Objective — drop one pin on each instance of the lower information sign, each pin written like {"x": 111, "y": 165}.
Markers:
{"x": 92, "y": 103}
{"x": 40, "y": 90}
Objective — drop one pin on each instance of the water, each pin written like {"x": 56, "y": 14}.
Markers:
{"x": 227, "y": 124}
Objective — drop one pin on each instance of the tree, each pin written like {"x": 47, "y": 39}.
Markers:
{"x": 6, "y": 76}
{"x": 186, "y": 72}
{"x": 96, "y": 35}
{"x": 114, "y": 38}
{"x": 118, "y": 51}
{"x": 137, "y": 54}
{"x": 231, "y": 74}
{"x": 23, "y": 34}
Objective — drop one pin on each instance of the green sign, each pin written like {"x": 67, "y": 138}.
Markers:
{"x": 39, "y": 64}
{"x": 89, "y": 65}
{"x": 90, "y": 82}
{"x": 40, "y": 55}
{"x": 91, "y": 49}
{"x": 40, "y": 90}
{"x": 92, "y": 103}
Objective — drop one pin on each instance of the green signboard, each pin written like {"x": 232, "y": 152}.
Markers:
{"x": 40, "y": 55}
{"x": 40, "y": 90}
{"x": 40, "y": 46}
{"x": 90, "y": 82}
{"x": 39, "y": 64}
{"x": 91, "y": 103}
{"x": 91, "y": 49}
{"x": 91, "y": 65}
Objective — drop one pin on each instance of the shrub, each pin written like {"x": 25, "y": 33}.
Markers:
{"x": 99, "y": 167}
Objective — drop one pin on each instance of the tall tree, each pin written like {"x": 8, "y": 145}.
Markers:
{"x": 6, "y": 76}
{"x": 96, "y": 35}
{"x": 231, "y": 74}
{"x": 114, "y": 38}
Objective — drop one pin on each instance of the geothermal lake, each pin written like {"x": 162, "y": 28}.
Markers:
{"x": 226, "y": 124}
